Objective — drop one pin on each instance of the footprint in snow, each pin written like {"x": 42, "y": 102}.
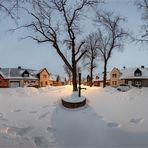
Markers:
{"x": 50, "y": 129}
{"x": 33, "y": 112}
{"x": 100, "y": 117}
{"x": 1, "y": 115}
{"x": 18, "y": 130}
{"x": 2, "y": 118}
{"x": 41, "y": 142}
{"x": 131, "y": 98}
{"x": 113, "y": 125}
{"x": 16, "y": 110}
{"x": 45, "y": 106}
{"x": 43, "y": 116}
{"x": 136, "y": 120}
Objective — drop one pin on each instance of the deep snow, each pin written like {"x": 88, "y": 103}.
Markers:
{"x": 31, "y": 118}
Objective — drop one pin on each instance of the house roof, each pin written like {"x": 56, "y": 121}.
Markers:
{"x": 128, "y": 73}
{"x": 43, "y": 70}
{"x": 16, "y": 73}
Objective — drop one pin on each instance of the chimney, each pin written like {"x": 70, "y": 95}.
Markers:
{"x": 19, "y": 67}
{"x": 142, "y": 66}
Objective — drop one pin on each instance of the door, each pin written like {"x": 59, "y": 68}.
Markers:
{"x": 14, "y": 84}
{"x": 130, "y": 83}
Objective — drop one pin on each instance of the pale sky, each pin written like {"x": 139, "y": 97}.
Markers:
{"x": 28, "y": 54}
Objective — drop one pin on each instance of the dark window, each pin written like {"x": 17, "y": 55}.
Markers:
{"x": 138, "y": 72}
{"x": 46, "y": 83}
{"x": 114, "y": 75}
{"x": 25, "y": 73}
{"x": 44, "y": 76}
{"x": 114, "y": 82}
{"x": 138, "y": 83}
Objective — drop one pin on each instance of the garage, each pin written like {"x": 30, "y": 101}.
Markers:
{"x": 14, "y": 84}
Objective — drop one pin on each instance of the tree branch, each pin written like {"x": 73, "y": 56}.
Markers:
{"x": 81, "y": 56}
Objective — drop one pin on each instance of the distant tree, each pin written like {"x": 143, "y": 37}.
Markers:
{"x": 143, "y": 5}
{"x": 110, "y": 37}
{"x": 91, "y": 57}
{"x": 68, "y": 73}
{"x": 58, "y": 22}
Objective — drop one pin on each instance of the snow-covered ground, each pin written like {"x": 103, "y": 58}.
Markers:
{"x": 35, "y": 118}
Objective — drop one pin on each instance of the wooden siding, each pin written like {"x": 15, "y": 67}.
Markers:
{"x": 114, "y": 77}
{"x": 3, "y": 82}
{"x": 44, "y": 78}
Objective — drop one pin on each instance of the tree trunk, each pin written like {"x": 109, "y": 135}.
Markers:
{"x": 91, "y": 76}
{"x": 105, "y": 74}
{"x": 74, "y": 78}
{"x": 74, "y": 70}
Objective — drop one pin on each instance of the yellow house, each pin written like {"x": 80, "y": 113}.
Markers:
{"x": 115, "y": 80}
{"x": 44, "y": 78}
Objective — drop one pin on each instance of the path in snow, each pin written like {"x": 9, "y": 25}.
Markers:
{"x": 84, "y": 128}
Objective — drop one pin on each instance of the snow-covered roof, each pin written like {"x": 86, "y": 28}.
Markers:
{"x": 16, "y": 73}
{"x": 128, "y": 73}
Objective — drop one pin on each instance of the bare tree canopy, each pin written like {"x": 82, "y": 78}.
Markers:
{"x": 91, "y": 57}
{"x": 143, "y": 5}
{"x": 10, "y": 7}
{"x": 58, "y": 22}
{"x": 110, "y": 36}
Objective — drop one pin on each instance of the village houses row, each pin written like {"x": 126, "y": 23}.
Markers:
{"x": 137, "y": 77}
{"x": 20, "y": 77}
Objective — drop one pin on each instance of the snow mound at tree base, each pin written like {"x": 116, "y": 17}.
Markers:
{"x": 73, "y": 101}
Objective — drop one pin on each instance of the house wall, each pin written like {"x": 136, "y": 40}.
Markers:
{"x": 34, "y": 83}
{"x": 3, "y": 82}
{"x": 114, "y": 78}
{"x": 144, "y": 83}
{"x": 44, "y": 79}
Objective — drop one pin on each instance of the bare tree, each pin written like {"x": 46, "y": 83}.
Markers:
{"x": 143, "y": 5}
{"x": 58, "y": 22}
{"x": 110, "y": 37}
{"x": 91, "y": 57}
{"x": 10, "y": 7}
{"x": 68, "y": 73}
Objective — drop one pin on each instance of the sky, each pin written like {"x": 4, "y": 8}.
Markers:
{"x": 28, "y": 54}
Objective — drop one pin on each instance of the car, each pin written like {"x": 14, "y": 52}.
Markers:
{"x": 123, "y": 87}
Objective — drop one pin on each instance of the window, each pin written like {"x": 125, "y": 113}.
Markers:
{"x": 137, "y": 74}
{"x": 26, "y": 75}
{"x": 46, "y": 83}
{"x": 0, "y": 82}
{"x": 138, "y": 83}
{"x": 44, "y": 76}
{"x": 114, "y": 75}
{"x": 114, "y": 82}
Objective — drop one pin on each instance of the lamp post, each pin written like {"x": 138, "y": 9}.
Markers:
{"x": 79, "y": 94}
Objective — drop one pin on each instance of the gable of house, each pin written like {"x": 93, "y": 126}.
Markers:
{"x": 44, "y": 78}
{"x": 25, "y": 74}
{"x": 138, "y": 72}
{"x": 114, "y": 77}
